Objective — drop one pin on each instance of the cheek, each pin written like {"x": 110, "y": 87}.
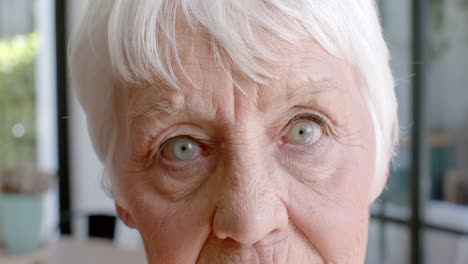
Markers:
{"x": 333, "y": 212}
{"x": 317, "y": 164}
{"x": 167, "y": 227}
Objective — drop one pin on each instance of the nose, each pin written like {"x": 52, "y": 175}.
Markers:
{"x": 250, "y": 210}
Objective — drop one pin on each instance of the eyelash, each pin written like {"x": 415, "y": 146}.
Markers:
{"x": 167, "y": 141}
{"x": 310, "y": 117}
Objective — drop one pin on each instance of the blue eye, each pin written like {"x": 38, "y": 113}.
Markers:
{"x": 305, "y": 132}
{"x": 182, "y": 148}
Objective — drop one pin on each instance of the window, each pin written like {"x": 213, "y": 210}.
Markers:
{"x": 28, "y": 93}
{"x": 427, "y": 192}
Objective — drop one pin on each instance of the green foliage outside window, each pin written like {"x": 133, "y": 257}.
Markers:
{"x": 17, "y": 99}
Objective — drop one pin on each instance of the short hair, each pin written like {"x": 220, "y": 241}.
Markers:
{"x": 129, "y": 41}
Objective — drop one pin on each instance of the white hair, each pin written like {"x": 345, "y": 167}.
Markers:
{"x": 131, "y": 41}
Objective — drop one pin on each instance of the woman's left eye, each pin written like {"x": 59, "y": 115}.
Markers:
{"x": 305, "y": 132}
{"x": 181, "y": 148}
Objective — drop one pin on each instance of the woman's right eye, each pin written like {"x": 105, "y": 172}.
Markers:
{"x": 181, "y": 148}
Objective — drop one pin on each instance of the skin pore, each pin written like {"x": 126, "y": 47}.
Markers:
{"x": 250, "y": 193}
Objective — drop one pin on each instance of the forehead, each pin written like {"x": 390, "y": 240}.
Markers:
{"x": 303, "y": 68}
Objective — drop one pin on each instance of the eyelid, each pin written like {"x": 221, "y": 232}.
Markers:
{"x": 167, "y": 141}
{"x": 309, "y": 116}
{"x": 205, "y": 141}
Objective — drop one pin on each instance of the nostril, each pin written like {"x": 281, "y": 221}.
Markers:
{"x": 229, "y": 243}
{"x": 274, "y": 237}
{"x": 250, "y": 225}
{"x": 249, "y": 216}
{"x": 221, "y": 235}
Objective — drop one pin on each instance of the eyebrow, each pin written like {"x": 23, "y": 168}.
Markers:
{"x": 155, "y": 108}
{"x": 303, "y": 89}
{"x": 311, "y": 86}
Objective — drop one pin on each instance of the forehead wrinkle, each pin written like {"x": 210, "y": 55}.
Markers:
{"x": 299, "y": 90}
{"x": 175, "y": 102}
{"x": 151, "y": 101}
{"x": 199, "y": 96}
{"x": 155, "y": 108}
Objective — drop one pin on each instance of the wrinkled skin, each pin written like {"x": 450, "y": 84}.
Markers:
{"x": 251, "y": 195}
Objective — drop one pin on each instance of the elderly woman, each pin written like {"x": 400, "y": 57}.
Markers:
{"x": 239, "y": 131}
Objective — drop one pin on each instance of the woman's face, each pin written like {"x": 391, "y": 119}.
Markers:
{"x": 274, "y": 173}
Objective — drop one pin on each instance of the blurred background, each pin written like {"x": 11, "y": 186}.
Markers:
{"x": 48, "y": 167}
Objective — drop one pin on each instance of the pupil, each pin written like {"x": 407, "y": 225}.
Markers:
{"x": 301, "y": 132}
{"x": 183, "y": 148}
